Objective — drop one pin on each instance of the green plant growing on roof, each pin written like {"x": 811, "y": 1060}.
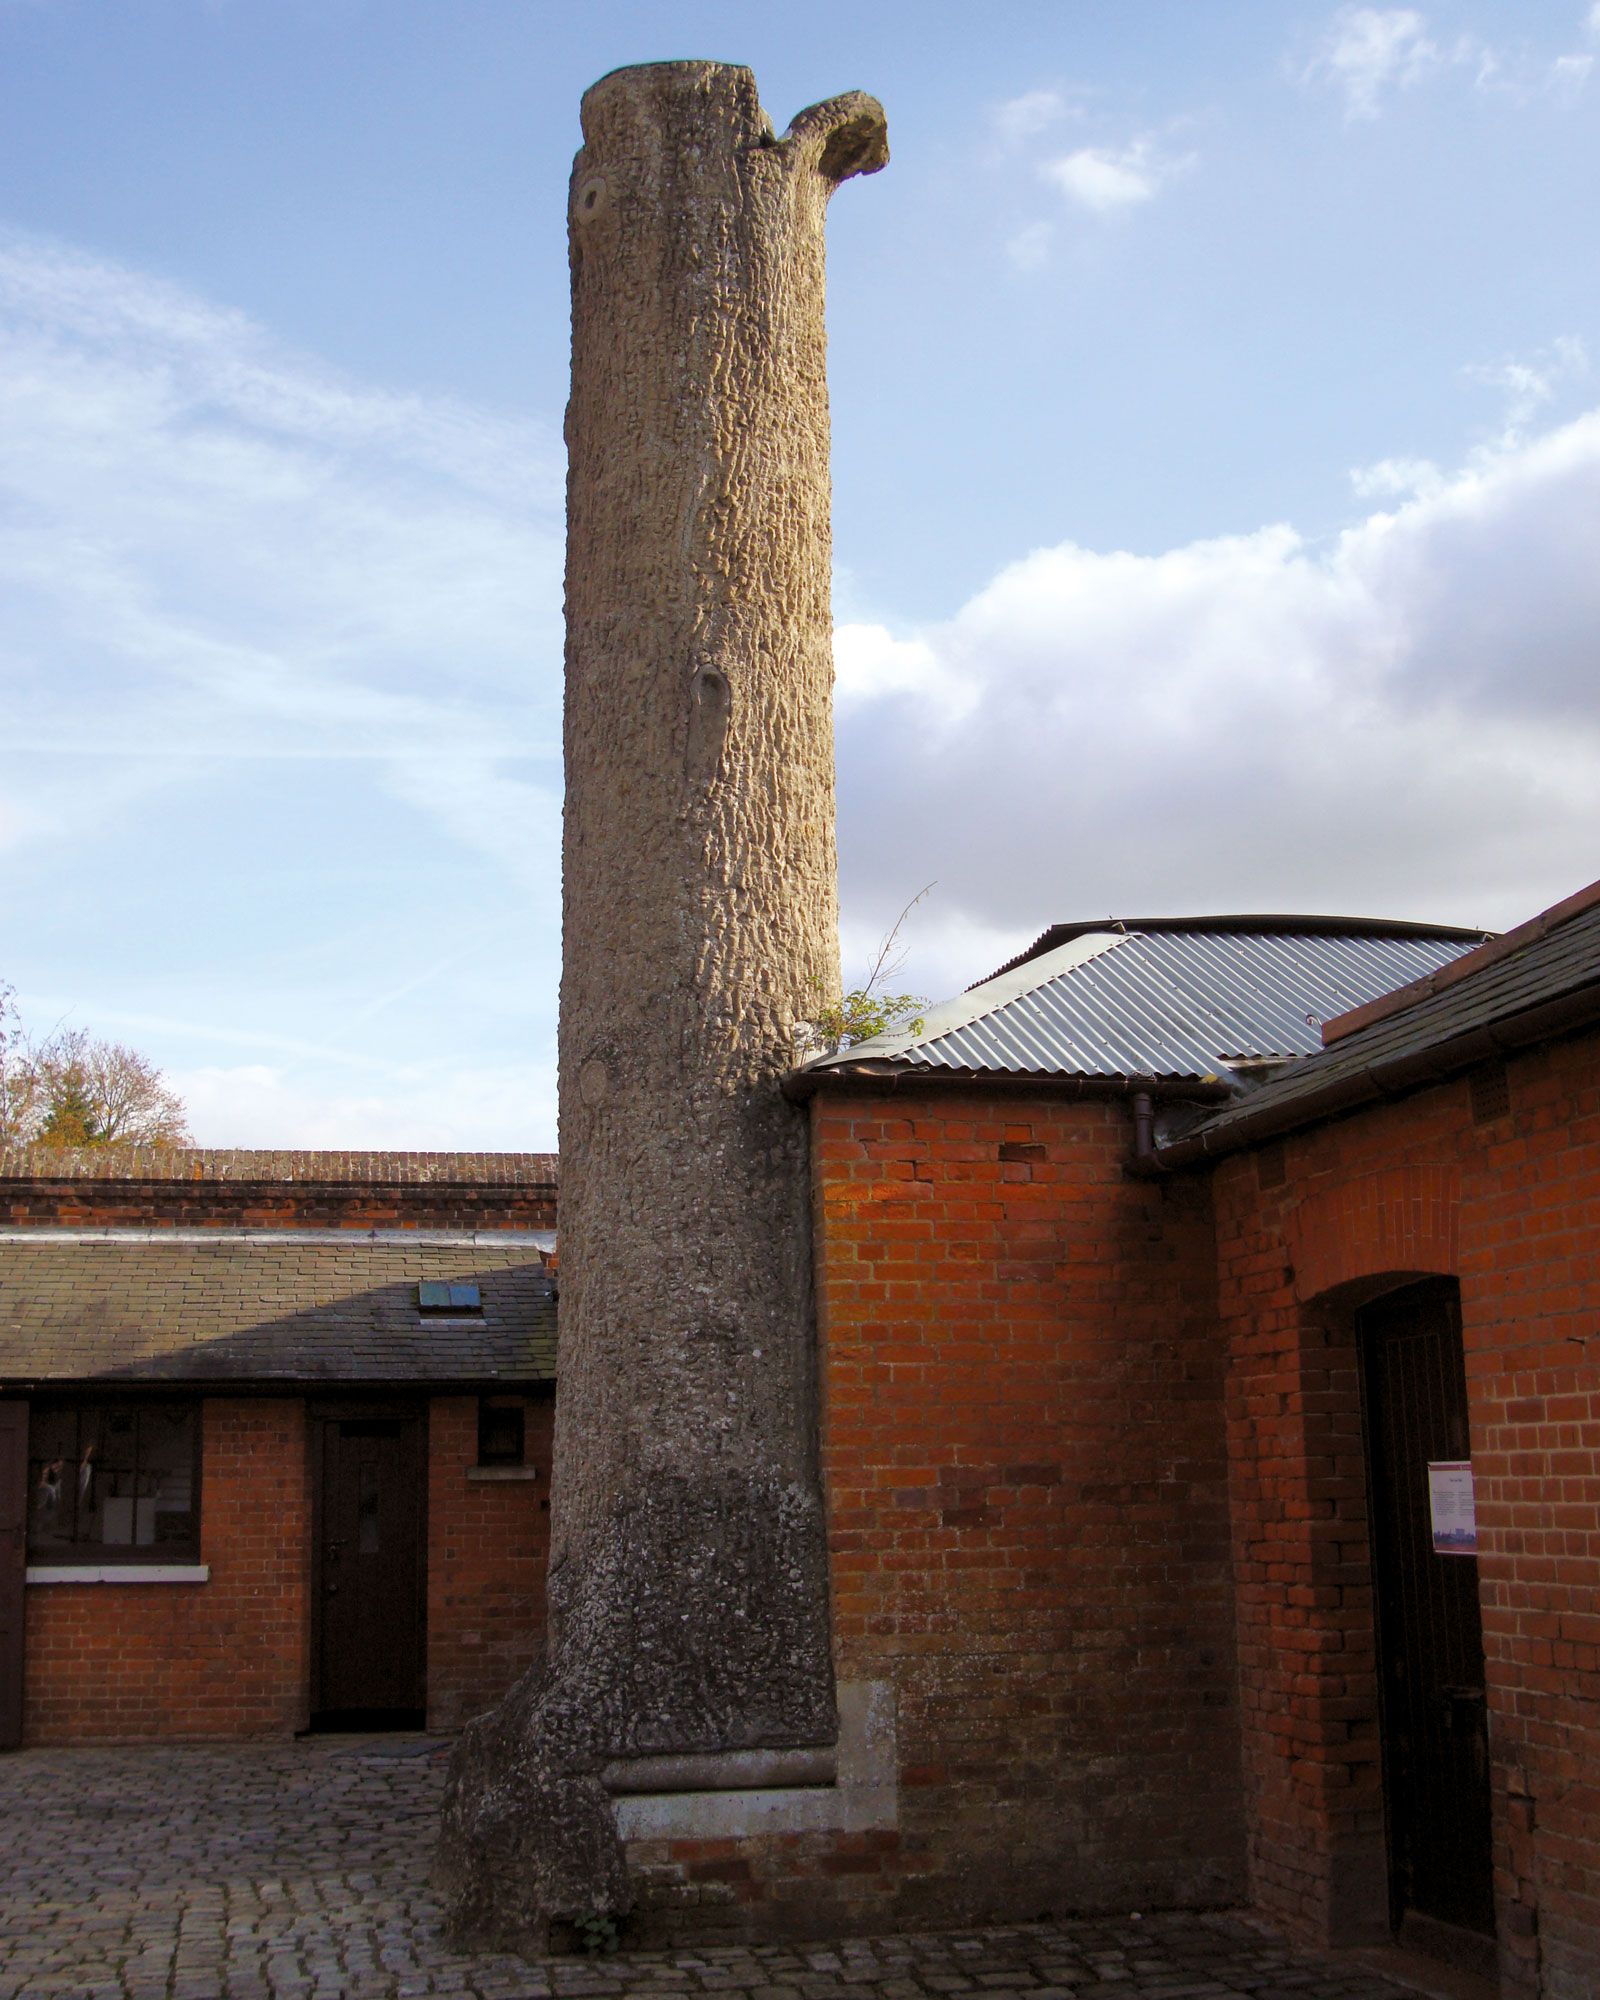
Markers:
{"x": 865, "y": 1011}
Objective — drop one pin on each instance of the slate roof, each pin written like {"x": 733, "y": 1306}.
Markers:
{"x": 311, "y": 1307}
{"x": 1172, "y": 1002}
{"x": 1538, "y": 981}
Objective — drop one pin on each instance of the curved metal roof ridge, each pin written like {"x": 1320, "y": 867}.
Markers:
{"x": 1244, "y": 924}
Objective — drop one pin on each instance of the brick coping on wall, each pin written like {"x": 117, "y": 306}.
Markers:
{"x": 245, "y": 1164}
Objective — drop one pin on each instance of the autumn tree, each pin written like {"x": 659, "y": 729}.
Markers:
{"x": 76, "y": 1089}
{"x": 19, "y": 1085}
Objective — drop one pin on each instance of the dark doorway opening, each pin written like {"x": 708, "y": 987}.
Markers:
{"x": 1430, "y": 1631}
{"x": 369, "y": 1582}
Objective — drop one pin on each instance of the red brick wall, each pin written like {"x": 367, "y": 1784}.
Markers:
{"x": 1023, "y": 1451}
{"x": 230, "y": 1657}
{"x": 1511, "y": 1207}
{"x": 37, "y": 1202}
{"x": 488, "y": 1542}
{"x": 108, "y": 1662}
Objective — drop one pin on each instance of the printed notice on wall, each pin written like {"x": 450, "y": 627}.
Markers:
{"x": 1455, "y": 1519}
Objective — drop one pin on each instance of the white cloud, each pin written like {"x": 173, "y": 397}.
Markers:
{"x": 1104, "y": 179}
{"x": 213, "y": 550}
{"x": 1397, "y": 478}
{"x": 1024, "y": 117}
{"x": 254, "y": 1104}
{"x": 1519, "y": 75}
{"x": 1030, "y": 248}
{"x": 1528, "y": 385}
{"x": 217, "y": 555}
{"x": 869, "y": 664}
{"x": 221, "y": 358}
{"x": 948, "y": 948}
{"x": 1406, "y": 722}
{"x": 1369, "y": 50}
{"x": 281, "y": 666}
{"x": 1569, "y": 74}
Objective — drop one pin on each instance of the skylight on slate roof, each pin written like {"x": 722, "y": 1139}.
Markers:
{"x": 433, "y": 1297}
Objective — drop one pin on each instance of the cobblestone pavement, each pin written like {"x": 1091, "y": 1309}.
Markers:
{"x": 301, "y": 1869}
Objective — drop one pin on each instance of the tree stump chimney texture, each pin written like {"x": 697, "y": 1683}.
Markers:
{"x": 688, "y": 1575}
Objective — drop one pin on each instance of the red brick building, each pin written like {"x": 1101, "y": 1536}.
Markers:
{"x": 1140, "y": 1414}
{"x": 1176, "y": 1286}
{"x": 277, "y": 1431}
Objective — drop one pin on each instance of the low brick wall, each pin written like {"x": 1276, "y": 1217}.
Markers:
{"x": 112, "y": 1662}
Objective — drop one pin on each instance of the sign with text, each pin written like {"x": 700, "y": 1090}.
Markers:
{"x": 1450, "y": 1502}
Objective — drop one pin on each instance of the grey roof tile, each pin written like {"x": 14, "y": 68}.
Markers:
{"x": 266, "y": 1310}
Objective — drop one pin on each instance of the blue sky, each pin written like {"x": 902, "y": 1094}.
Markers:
{"x": 1217, "y": 492}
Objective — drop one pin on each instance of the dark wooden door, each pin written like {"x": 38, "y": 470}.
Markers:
{"x": 370, "y": 1571}
{"x": 13, "y": 1563}
{"x": 1430, "y": 1632}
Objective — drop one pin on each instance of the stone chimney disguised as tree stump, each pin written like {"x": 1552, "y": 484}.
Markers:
{"x": 688, "y": 1580}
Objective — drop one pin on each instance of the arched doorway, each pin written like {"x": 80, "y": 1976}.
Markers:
{"x": 1429, "y": 1629}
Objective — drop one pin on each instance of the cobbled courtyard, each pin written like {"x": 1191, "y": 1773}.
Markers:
{"x": 301, "y": 1869}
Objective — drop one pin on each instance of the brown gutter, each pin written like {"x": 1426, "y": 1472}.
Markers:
{"x": 869, "y": 1079}
{"x": 1376, "y": 1082}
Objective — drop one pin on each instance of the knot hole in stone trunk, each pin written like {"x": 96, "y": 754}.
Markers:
{"x": 710, "y": 712}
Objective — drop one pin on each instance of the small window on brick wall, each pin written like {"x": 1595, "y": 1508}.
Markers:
{"x": 113, "y": 1482}
{"x": 502, "y": 1432}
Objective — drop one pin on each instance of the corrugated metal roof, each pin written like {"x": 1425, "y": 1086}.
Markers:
{"x": 1565, "y": 961}
{"x": 1178, "y": 1004}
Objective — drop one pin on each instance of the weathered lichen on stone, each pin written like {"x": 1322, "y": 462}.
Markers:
{"x": 688, "y": 1581}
